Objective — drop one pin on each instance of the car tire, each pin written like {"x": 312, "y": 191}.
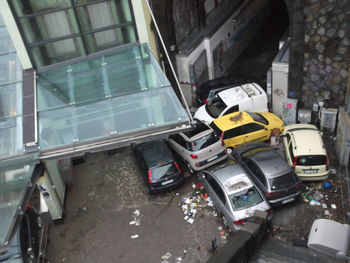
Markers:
{"x": 229, "y": 150}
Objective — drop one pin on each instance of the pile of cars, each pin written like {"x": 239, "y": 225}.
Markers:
{"x": 227, "y": 149}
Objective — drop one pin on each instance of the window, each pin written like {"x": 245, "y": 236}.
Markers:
{"x": 204, "y": 142}
{"x": 178, "y": 138}
{"x": 255, "y": 170}
{"x": 216, "y": 187}
{"x": 234, "y": 132}
{"x": 215, "y": 106}
{"x": 308, "y": 160}
{"x": 232, "y": 110}
{"x": 58, "y": 30}
{"x": 251, "y": 127}
{"x": 283, "y": 181}
{"x": 258, "y": 117}
{"x": 245, "y": 199}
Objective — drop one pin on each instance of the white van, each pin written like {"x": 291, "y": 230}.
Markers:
{"x": 246, "y": 97}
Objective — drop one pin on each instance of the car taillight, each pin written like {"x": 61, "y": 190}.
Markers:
{"x": 298, "y": 185}
{"x": 295, "y": 161}
{"x": 269, "y": 211}
{"x": 178, "y": 168}
{"x": 326, "y": 162}
{"x": 205, "y": 101}
{"x": 197, "y": 164}
{"x": 194, "y": 156}
{"x": 222, "y": 142}
{"x": 222, "y": 135}
{"x": 273, "y": 194}
{"x": 149, "y": 176}
{"x": 240, "y": 222}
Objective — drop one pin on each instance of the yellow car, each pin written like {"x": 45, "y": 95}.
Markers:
{"x": 243, "y": 126}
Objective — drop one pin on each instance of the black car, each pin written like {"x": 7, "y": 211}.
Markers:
{"x": 160, "y": 169}
{"x": 208, "y": 89}
{"x": 24, "y": 245}
{"x": 270, "y": 172}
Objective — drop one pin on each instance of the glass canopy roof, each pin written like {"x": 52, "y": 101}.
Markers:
{"x": 10, "y": 97}
{"x": 15, "y": 183}
{"x": 114, "y": 95}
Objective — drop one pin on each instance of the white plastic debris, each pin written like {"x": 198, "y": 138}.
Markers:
{"x": 193, "y": 186}
{"x": 220, "y": 228}
{"x": 326, "y": 212}
{"x": 179, "y": 259}
{"x": 324, "y": 206}
{"x": 333, "y": 206}
{"x": 190, "y": 220}
{"x": 132, "y": 222}
{"x": 137, "y": 213}
{"x": 186, "y": 218}
{"x": 332, "y": 171}
{"x": 166, "y": 256}
{"x": 134, "y": 236}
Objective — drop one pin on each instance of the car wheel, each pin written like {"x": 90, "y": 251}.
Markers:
{"x": 189, "y": 168}
{"x": 229, "y": 150}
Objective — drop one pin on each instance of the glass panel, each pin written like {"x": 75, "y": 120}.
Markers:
{"x": 32, "y": 6}
{"x": 123, "y": 114}
{"x": 49, "y": 26}
{"x": 10, "y": 68}
{"x": 6, "y": 44}
{"x": 58, "y": 51}
{"x": 15, "y": 176}
{"x": 10, "y": 100}
{"x": 11, "y": 142}
{"x": 110, "y": 38}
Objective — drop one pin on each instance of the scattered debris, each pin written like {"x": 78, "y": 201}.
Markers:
{"x": 333, "y": 206}
{"x": 134, "y": 236}
{"x": 314, "y": 202}
{"x": 326, "y": 212}
{"x": 324, "y": 206}
{"x": 136, "y": 218}
{"x": 318, "y": 196}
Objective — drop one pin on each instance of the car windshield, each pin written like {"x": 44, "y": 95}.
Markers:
{"x": 283, "y": 181}
{"x": 245, "y": 199}
{"x": 164, "y": 170}
{"x": 308, "y": 160}
{"x": 215, "y": 107}
{"x": 203, "y": 142}
{"x": 258, "y": 117}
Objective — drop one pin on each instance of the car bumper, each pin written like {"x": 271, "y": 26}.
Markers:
{"x": 166, "y": 188}
{"x": 286, "y": 199}
{"x": 222, "y": 156}
{"x": 313, "y": 177}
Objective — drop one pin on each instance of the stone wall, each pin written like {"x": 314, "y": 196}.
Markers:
{"x": 326, "y": 52}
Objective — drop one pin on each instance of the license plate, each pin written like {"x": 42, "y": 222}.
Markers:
{"x": 288, "y": 200}
{"x": 310, "y": 171}
{"x": 168, "y": 182}
{"x": 212, "y": 158}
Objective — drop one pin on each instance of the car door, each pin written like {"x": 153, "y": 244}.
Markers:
{"x": 255, "y": 173}
{"x": 214, "y": 192}
{"x": 255, "y": 132}
{"x": 234, "y": 137}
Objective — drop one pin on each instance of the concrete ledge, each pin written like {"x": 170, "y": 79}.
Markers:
{"x": 243, "y": 244}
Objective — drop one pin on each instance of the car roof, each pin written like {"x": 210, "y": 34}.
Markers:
{"x": 235, "y": 94}
{"x": 232, "y": 177}
{"x": 307, "y": 139}
{"x": 155, "y": 153}
{"x": 269, "y": 161}
{"x": 232, "y": 120}
{"x": 199, "y": 130}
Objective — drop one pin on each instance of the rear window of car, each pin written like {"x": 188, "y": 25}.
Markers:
{"x": 245, "y": 199}
{"x": 215, "y": 107}
{"x": 283, "y": 181}
{"x": 309, "y": 160}
{"x": 203, "y": 142}
{"x": 164, "y": 170}
{"x": 199, "y": 127}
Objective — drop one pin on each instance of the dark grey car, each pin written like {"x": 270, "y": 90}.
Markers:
{"x": 270, "y": 172}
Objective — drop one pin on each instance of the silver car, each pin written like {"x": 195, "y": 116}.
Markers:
{"x": 234, "y": 195}
{"x": 199, "y": 148}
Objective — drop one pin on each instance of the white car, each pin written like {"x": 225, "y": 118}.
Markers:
{"x": 199, "y": 148}
{"x": 247, "y": 97}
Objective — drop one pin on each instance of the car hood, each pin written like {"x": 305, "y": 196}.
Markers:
{"x": 203, "y": 115}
